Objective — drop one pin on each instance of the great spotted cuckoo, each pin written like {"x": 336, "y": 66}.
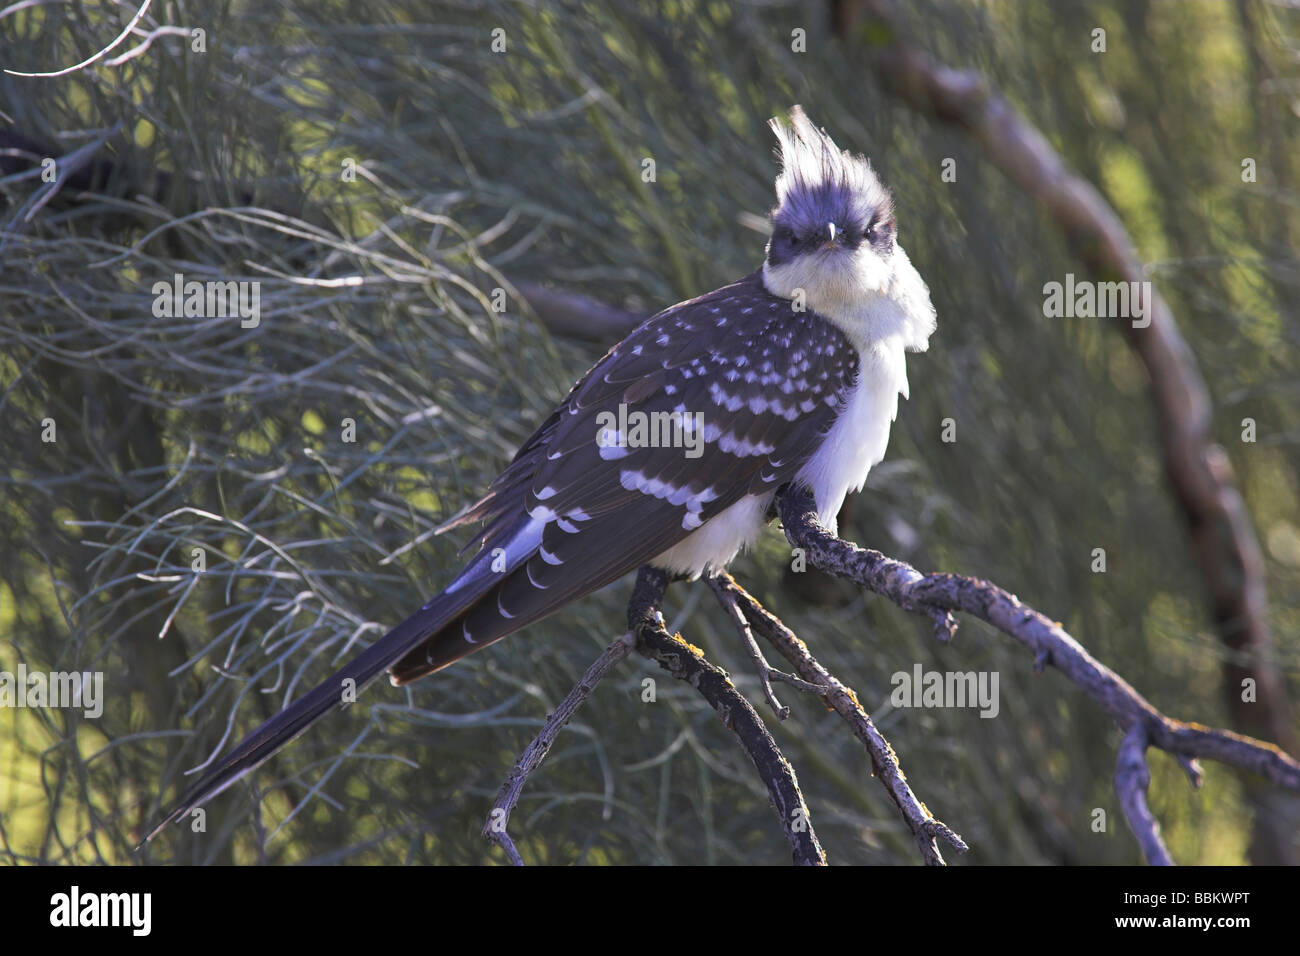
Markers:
{"x": 789, "y": 375}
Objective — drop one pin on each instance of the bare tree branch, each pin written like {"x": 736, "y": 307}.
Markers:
{"x": 577, "y": 316}
{"x": 1049, "y": 642}
{"x": 499, "y": 817}
{"x": 685, "y": 662}
{"x": 884, "y": 762}
{"x": 766, "y": 672}
{"x": 1132, "y": 778}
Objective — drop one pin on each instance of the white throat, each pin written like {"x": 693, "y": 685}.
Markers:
{"x": 871, "y": 300}
{"x": 883, "y": 309}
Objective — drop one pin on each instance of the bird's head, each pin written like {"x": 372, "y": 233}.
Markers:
{"x": 834, "y": 238}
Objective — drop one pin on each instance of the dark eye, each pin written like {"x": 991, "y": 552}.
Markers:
{"x": 880, "y": 229}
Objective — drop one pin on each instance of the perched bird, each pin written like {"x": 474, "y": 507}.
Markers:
{"x": 791, "y": 374}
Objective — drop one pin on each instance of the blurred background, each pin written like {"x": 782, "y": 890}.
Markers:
{"x": 381, "y": 169}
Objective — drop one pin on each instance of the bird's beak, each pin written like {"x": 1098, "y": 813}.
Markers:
{"x": 830, "y": 244}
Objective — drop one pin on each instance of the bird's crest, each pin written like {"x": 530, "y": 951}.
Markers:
{"x": 819, "y": 182}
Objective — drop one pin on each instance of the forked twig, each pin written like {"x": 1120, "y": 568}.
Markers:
{"x": 1051, "y": 645}
{"x": 647, "y": 633}
{"x": 508, "y": 796}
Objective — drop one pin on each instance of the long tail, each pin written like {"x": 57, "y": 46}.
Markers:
{"x": 432, "y": 636}
{"x": 279, "y": 730}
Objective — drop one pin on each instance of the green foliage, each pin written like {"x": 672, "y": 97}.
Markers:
{"x": 476, "y": 169}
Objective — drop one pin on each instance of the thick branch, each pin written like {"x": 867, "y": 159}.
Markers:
{"x": 1049, "y": 642}
{"x": 577, "y": 316}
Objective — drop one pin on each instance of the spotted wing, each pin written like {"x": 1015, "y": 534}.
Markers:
{"x": 759, "y": 384}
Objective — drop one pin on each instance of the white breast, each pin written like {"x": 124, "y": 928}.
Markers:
{"x": 857, "y": 440}
{"x": 855, "y": 443}
{"x": 712, "y": 546}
